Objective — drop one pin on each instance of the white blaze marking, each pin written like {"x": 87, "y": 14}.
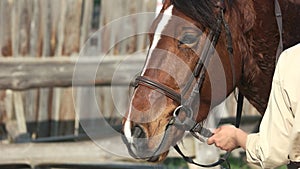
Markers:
{"x": 167, "y": 15}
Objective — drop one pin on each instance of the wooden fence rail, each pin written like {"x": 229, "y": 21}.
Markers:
{"x": 84, "y": 152}
{"x": 26, "y": 73}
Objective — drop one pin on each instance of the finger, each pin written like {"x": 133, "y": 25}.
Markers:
{"x": 211, "y": 140}
{"x": 216, "y": 130}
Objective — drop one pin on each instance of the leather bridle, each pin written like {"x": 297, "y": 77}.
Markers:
{"x": 185, "y": 105}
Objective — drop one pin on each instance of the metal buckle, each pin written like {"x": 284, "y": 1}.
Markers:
{"x": 188, "y": 123}
{"x": 177, "y": 111}
{"x": 187, "y": 110}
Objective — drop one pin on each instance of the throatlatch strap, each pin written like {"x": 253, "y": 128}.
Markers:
{"x": 239, "y": 110}
{"x": 278, "y": 15}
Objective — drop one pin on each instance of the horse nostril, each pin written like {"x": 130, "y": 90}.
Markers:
{"x": 138, "y": 132}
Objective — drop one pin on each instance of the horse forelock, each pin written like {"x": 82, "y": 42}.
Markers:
{"x": 199, "y": 10}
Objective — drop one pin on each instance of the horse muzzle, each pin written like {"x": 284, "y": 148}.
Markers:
{"x": 138, "y": 145}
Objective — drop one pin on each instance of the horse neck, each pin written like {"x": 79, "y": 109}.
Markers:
{"x": 255, "y": 46}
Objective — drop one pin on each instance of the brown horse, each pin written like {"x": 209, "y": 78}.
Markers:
{"x": 179, "y": 35}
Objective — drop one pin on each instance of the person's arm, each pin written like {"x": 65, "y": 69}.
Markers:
{"x": 228, "y": 137}
{"x": 271, "y": 147}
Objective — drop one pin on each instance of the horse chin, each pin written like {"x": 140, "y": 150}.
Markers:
{"x": 158, "y": 158}
{"x": 156, "y": 148}
{"x": 148, "y": 156}
{"x": 156, "y": 154}
{"x": 165, "y": 146}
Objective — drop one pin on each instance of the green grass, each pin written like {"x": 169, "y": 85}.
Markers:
{"x": 235, "y": 163}
{"x": 240, "y": 163}
{"x": 175, "y": 163}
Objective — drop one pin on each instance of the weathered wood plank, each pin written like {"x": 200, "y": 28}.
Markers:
{"x": 44, "y": 103}
{"x": 71, "y": 43}
{"x": 34, "y": 154}
{"x": 30, "y": 103}
{"x": 46, "y": 27}
{"x": 19, "y": 109}
{"x": 8, "y": 105}
{"x": 26, "y": 73}
{"x": 5, "y": 28}
{"x": 86, "y": 21}
{"x": 71, "y": 46}
{"x": 57, "y": 92}
{"x": 35, "y": 31}
{"x": 85, "y": 152}
{"x": 20, "y": 48}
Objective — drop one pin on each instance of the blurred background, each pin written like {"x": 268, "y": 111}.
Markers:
{"x": 41, "y": 113}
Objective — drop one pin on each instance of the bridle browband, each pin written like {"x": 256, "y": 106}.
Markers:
{"x": 185, "y": 105}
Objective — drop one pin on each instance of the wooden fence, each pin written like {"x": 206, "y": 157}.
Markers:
{"x": 35, "y": 34}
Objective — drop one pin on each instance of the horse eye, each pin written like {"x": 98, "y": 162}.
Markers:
{"x": 189, "y": 40}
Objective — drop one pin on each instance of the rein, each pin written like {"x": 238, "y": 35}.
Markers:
{"x": 185, "y": 105}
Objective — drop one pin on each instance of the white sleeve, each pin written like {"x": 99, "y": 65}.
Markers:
{"x": 269, "y": 147}
{"x": 294, "y": 153}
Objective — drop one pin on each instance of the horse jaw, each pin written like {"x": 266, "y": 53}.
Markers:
{"x": 157, "y": 136}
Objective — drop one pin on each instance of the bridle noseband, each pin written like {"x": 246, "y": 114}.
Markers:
{"x": 185, "y": 105}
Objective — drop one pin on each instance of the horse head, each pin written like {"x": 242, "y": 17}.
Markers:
{"x": 189, "y": 70}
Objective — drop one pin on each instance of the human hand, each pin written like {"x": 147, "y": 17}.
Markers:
{"x": 227, "y": 137}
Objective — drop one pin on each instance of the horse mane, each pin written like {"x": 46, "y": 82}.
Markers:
{"x": 200, "y": 10}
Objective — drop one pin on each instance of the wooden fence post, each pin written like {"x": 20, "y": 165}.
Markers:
{"x": 5, "y": 49}
{"x": 85, "y": 30}
{"x": 19, "y": 39}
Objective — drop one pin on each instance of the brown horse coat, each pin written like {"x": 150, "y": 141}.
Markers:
{"x": 258, "y": 44}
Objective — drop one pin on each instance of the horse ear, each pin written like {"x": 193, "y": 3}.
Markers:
{"x": 166, "y": 3}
